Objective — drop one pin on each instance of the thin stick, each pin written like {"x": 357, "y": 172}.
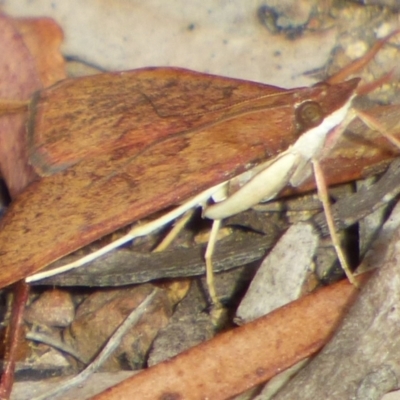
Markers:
{"x": 13, "y": 336}
{"x": 108, "y": 349}
{"x": 58, "y": 344}
{"x": 324, "y": 197}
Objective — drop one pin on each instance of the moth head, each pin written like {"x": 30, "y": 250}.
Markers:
{"x": 309, "y": 114}
{"x": 321, "y": 101}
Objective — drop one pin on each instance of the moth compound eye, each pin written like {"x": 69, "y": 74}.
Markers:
{"x": 309, "y": 114}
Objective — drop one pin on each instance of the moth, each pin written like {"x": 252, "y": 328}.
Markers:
{"x": 117, "y": 147}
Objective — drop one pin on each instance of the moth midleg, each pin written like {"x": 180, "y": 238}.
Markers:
{"x": 209, "y": 266}
{"x": 174, "y": 232}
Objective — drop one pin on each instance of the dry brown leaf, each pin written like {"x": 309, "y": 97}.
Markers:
{"x": 30, "y": 60}
{"x": 43, "y": 37}
{"x": 244, "y": 357}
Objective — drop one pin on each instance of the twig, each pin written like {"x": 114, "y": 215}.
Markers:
{"x": 108, "y": 349}
{"x": 13, "y": 335}
{"x": 46, "y": 339}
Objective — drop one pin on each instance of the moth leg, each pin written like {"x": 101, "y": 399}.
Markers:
{"x": 323, "y": 195}
{"x": 263, "y": 186}
{"x": 372, "y": 123}
{"x": 219, "y": 196}
{"x": 209, "y": 267}
{"x": 174, "y": 232}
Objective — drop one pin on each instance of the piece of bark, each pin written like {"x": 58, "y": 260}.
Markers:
{"x": 133, "y": 318}
{"x": 370, "y": 226}
{"x": 368, "y": 337}
{"x": 123, "y": 266}
{"x": 283, "y": 274}
{"x": 264, "y": 347}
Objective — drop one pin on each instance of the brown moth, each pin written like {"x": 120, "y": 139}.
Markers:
{"x": 117, "y": 147}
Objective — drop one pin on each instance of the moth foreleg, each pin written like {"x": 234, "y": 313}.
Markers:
{"x": 264, "y": 186}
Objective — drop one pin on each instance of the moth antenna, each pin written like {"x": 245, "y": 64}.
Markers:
{"x": 370, "y": 87}
{"x": 375, "y": 125}
{"x": 360, "y": 63}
